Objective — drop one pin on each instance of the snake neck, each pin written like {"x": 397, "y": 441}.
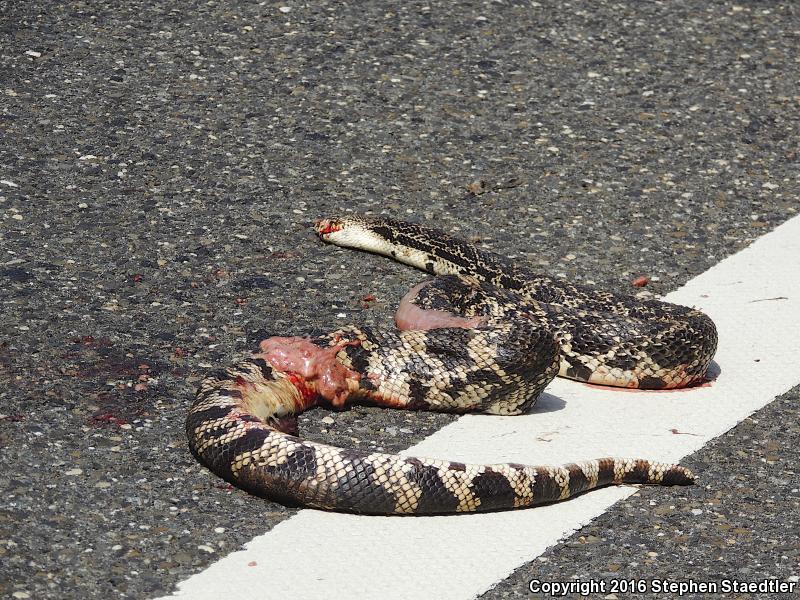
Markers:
{"x": 425, "y": 248}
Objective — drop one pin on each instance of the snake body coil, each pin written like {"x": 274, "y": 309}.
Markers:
{"x": 486, "y": 335}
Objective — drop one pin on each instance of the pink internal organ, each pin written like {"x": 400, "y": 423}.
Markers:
{"x": 329, "y": 378}
{"x": 410, "y": 316}
{"x": 317, "y": 366}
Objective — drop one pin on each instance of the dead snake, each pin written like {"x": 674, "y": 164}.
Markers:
{"x": 495, "y": 334}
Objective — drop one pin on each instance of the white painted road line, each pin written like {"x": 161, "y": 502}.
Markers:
{"x": 754, "y": 298}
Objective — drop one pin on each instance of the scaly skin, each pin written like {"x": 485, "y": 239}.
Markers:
{"x": 527, "y": 329}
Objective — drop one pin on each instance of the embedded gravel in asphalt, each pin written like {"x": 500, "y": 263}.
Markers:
{"x": 161, "y": 165}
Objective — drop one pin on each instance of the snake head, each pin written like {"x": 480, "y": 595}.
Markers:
{"x": 363, "y": 233}
{"x": 325, "y": 227}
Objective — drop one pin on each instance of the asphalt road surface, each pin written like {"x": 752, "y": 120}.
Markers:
{"x": 161, "y": 165}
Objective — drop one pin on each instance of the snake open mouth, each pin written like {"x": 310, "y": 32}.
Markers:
{"x": 327, "y": 226}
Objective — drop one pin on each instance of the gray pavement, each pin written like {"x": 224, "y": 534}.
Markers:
{"x": 160, "y": 167}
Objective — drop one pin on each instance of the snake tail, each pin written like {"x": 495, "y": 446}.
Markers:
{"x": 231, "y": 429}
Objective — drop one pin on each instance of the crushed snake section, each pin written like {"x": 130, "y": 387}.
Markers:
{"x": 486, "y": 335}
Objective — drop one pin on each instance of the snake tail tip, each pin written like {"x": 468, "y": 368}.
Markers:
{"x": 679, "y": 476}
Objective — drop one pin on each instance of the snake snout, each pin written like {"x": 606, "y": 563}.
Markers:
{"x": 325, "y": 227}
